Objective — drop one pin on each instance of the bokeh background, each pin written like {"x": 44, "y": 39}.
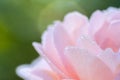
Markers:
{"x": 23, "y": 21}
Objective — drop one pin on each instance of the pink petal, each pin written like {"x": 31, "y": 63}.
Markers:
{"x": 96, "y": 22}
{"x": 29, "y": 72}
{"x": 111, "y": 59}
{"x": 50, "y": 50}
{"x": 101, "y": 37}
{"x": 108, "y": 36}
{"x": 62, "y": 39}
{"x": 112, "y": 13}
{"x": 111, "y": 10}
{"x": 113, "y": 33}
{"x": 45, "y": 74}
{"x": 114, "y": 30}
{"x": 117, "y": 76}
{"x": 114, "y": 17}
{"x": 88, "y": 67}
{"x": 85, "y": 42}
{"x": 74, "y": 23}
{"x": 49, "y": 47}
{"x": 55, "y": 66}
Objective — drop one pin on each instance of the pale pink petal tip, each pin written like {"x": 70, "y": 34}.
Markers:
{"x": 38, "y": 47}
{"x": 111, "y": 9}
{"x": 23, "y": 71}
{"x": 33, "y": 71}
{"x": 36, "y": 44}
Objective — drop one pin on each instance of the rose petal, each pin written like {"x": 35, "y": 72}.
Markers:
{"x": 62, "y": 39}
{"x": 108, "y": 36}
{"x": 88, "y": 67}
{"x": 29, "y": 71}
{"x": 49, "y": 49}
{"x": 114, "y": 30}
{"x": 111, "y": 59}
{"x": 45, "y": 74}
{"x": 56, "y": 67}
{"x": 74, "y": 23}
{"x": 117, "y": 76}
{"x": 96, "y": 21}
{"x": 85, "y": 42}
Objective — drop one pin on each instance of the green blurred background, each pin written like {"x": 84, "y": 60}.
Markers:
{"x": 23, "y": 21}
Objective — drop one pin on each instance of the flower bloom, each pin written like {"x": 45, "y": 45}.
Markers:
{"x": 78, "y": 49}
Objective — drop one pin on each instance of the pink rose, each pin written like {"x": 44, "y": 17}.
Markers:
{"x": 78, "y": 49}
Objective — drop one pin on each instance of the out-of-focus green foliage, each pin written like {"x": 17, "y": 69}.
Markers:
{"x": 23, "y": 21}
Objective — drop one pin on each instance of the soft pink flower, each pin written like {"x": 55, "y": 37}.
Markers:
{"x": 78, "y": 49}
